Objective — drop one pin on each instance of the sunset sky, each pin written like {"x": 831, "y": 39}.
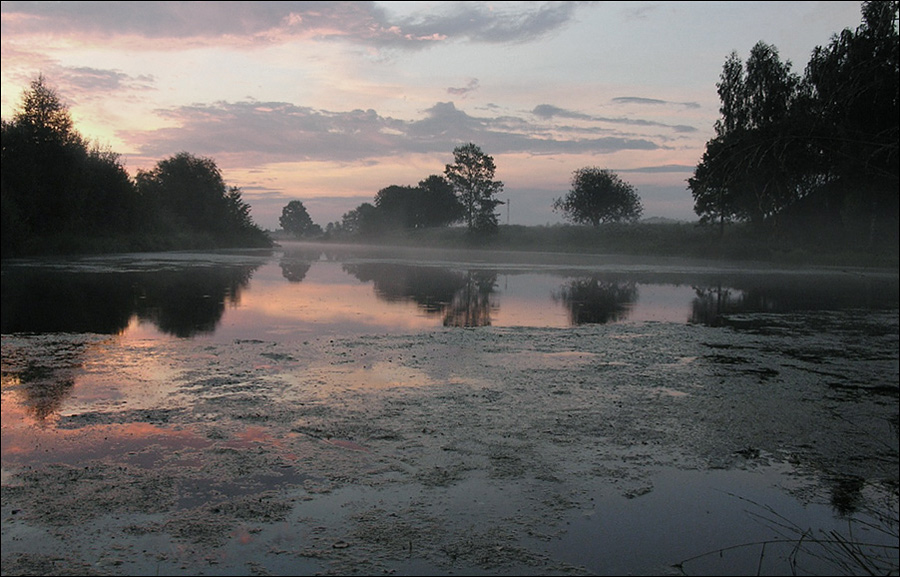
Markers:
{"x": 329, "y": 102}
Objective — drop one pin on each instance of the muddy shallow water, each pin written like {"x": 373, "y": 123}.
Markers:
{"x": 318, "y": 411}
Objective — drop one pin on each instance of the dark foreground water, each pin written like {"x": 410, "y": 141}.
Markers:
{"x": 440, "y": 412}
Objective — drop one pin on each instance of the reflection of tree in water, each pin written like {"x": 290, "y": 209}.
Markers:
{"x": 181, "y": 302}
{"x": 464, "y": 299}
{"x": 185, "y": 303}
{"x": 715, "y": 301}
{"x": 710, "y": 304}
{"x": 296, "y": 261}
{"x": 41, "y": 301}
{"x": 472, "y": 305}
{"x": 846, "y": 494}
{"x": 591, "y": 300}
{"x": 44, "y": 390}
{"x": 294, "y": 271}
{"x": 431, "y": 288}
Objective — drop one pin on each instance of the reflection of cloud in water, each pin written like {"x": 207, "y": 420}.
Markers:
{"x": 311, "y": 304}
{"x": 142, "y": 443}
{"x": 335, "y": 380}
{"x": 321, "y": 290}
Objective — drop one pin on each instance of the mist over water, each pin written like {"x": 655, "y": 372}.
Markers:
{"x": 306, "y": 288}
{"x": 615, "y": 414}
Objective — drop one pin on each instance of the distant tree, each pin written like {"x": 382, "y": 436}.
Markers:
{"x": 398, "y": 206}
{"x": 472, "y": 177}
{"x": 334, "y": 229}
{"x": 432, "y": 203}
{"x": 439, "y": 205}
{"x": 295, "y": 219}
{"x": 362, "y": 220}
{"x": 599, "y": 195}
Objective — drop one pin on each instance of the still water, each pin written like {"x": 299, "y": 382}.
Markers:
{"x": 309, "y": 289}
{"x": 385, "y": 388}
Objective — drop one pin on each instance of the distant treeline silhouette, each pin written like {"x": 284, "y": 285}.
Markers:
{"x": 809, "y": 161}
{"x": 62, "y": 194}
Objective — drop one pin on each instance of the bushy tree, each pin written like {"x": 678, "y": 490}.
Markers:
{"x": 751, "y": 169}
{"x": 54, "y": 184}
{"x": 472, "y": 177}
{"x": 439, "y": 205}
{"x": 61, "y": 193}
{"x": 597, "y": 196}
{"x": 853, "y": 87}
{"x": 295, "y": 219}
{"x": 362, "y": 220}
{"x": 821, "y": 149}
{"x": 432, "y": 203}
{"x": 189, "y": 195}
{"x": 398, "y": 206}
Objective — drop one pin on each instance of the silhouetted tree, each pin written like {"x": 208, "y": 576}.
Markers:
{"x": 853, "y": 85}
{"x": 597, "y": 196}
{"x": 54, "y": 185}
{"x": 190, "y": 196}
{"x": 362, "y": 220}
{"x": 753, "y": 168}
{"x": 60, "y": 193}
{"x": 295, "y": 219}
{"x": 397, "y": 206}
{"x": 821, "y": 149}
{"x": 439, "y": 205}
{"x": 472, "y": 177}
{"x": 432, "y": 203}
{"x": 44, "y": 117}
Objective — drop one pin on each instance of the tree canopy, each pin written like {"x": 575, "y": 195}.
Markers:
{"x": 60, "y": 193}
{"x": 295, "y": 219}
{"x": 472, "y": 177}
{"x": 817, "y": 148}
{"x": 188, "y": 193}
{"x": 597, "y": 196}
{"x": 54, "y": 184}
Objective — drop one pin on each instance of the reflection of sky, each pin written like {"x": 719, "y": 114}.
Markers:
{"x": 302, "y": 294}
{"x": 329, "y": 300}
{"x": 662, "y": 303}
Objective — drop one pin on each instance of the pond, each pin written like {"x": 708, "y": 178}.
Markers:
{"x": 342, "y": 409}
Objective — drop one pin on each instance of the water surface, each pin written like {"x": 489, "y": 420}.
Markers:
{"x": 549, "y": 410}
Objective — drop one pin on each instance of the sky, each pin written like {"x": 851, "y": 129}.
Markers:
{"x": 329, "y": 102}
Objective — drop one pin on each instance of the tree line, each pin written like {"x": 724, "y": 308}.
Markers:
{"x": 467, "y": 193}
{"x": 61, "y": 193}
{"x": 811, "y": 152}
{"x": 813, "y": 155}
